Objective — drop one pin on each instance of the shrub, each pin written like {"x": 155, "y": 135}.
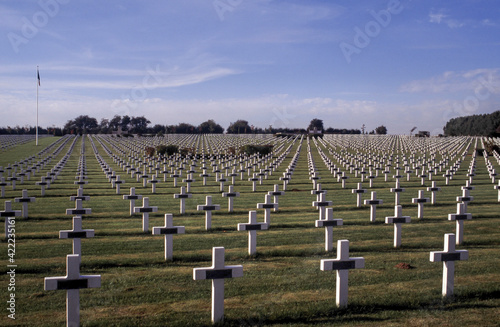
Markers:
{"x": 250, "y": 149}
{"x": 167, "y": 149}
{"x": 150, "y": 151}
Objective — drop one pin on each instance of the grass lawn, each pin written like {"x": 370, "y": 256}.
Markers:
{"x": 283, "y": 284}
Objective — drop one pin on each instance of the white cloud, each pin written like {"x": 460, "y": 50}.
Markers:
{"x": 457, "y": 81}
{"x": 438, "y": 17}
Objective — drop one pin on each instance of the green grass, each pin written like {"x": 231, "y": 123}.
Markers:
{"x": 282, "y": 284}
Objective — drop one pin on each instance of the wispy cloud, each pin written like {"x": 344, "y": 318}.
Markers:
{"x": 439, "y": 17}
{"x": 456, "y": 81}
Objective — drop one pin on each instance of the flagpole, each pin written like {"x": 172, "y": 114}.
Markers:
{"x": 37, "y": 82}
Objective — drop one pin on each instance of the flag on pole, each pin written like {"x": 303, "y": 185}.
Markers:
{"x": 38, "y": 74}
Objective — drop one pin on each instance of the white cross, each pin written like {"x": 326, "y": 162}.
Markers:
{"x": 448, "y": 257}
{"x": 267, "y": 206}
{"x": 329, "y": 223}
{"x": 153, "y": 182}
{"x": 321, "y": 204}
{"x": 9, "y": 215}
{"x": 497, "y": 187}
{"x": 373, "y": 202}
{"x": 465, "y": 198}
{"x": 79, "y": 210}
{"x": 276, "y": 193}
{"x": 168, "y": 230}
{"x": 204, "y": 176}
{"x": 230, "y": 194}
{"x": 217, "y": 273}
{"x": 254, "y": 181}
{"x": 188, "y": 182}
{"x": 77, "y": 233}
{"x": 72, "y": 283}
{"x": 433, "y": 189}
{"x": 3, "y": 183}
{"x": 252, "y": 227}
{"x": 397, "y": 190}
{"x": 342, "y": 264}
{"x": 459, "y": 217}
{"x": 132, "y": 197}
{"x": 359, "y": 192}
{"x": 397, "y": 220}
{"x": 420, "y": 202}
{"x": 117, "y": 183}
{"x": 44, "y": 183}
{"x": 145, "y": 210}
{"x": 24, "y": 200}
{"x": 208, "y": 207}
{"x": 79, "y": 195}
{"x": 182, "y": 196}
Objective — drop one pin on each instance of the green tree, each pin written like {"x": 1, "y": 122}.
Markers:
{"x": 124, "y": 124}
{"x": 315, "y": 123}
{"x": 381, "y": 130}
{"x": 81, "y": 125}
{"x": 239, "y": 127}
{"x": 210, "y": 127}
{"x": 139, "y": 124}
{"x": 114, "y": 123}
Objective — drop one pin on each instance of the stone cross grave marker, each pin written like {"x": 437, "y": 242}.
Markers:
{"x": 168, "y": 230}
{"x": 24, "y": 200}
{"x": 276, "y": 193}
{"x": 153, "y": 181}
{"x": 321, "y": 204}
{"x": 80, "y": 182}
{"x": 342, "y": 264}
{"x": 3, "y": 183}
{"x": 44, "y": 183}
{"x": 217, "y": 273}
{"x": 72, "y": 283}
{"x": 252, "y": 227}
{"x": 459, "y": 217}
{"x": 230, "y": 194}
{"x": 420, "y": 202}
{"x": 396, "y": 190}
{"x": 116, "y": 183}
{"x": 175, "y": 175}
{"x": 79, "y": 195}
{"x": 79, "y": 210}
{"x": 433, "y": 189}
{"x": 145, "y": 210}
{"x": 132, "y": 197}
{"x": 359, "y": 193}
{"x": 465, "y": 198}
{"x": 10, "y": 217}
{"x": 182, "y": 196}
{"x": 328, "y": 223}
{"x": 188, "y": 182}
{"x": 373, "y": 202}
{"x": 397, "y": 220}
{"x": 448, "y": 257}
{"x": 267, "y": 206}
{"x": 208, "y": 207}
{"x": 497, "y": 187}
{"x": 254, "y": 181}
{"x": 76, "y": 234}
{"x": 222, "y": 179}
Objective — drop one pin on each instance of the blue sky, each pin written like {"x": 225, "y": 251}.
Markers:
{"x": 400, "y": 64}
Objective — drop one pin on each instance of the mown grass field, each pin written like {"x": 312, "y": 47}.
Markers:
{"x": 283, "y": 284}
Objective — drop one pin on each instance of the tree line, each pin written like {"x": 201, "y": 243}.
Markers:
{"x": 475, "y": 125}
{"x": 85, "y": 124}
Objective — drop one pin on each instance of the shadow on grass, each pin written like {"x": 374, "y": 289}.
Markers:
{"x": 356, "y": 313}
